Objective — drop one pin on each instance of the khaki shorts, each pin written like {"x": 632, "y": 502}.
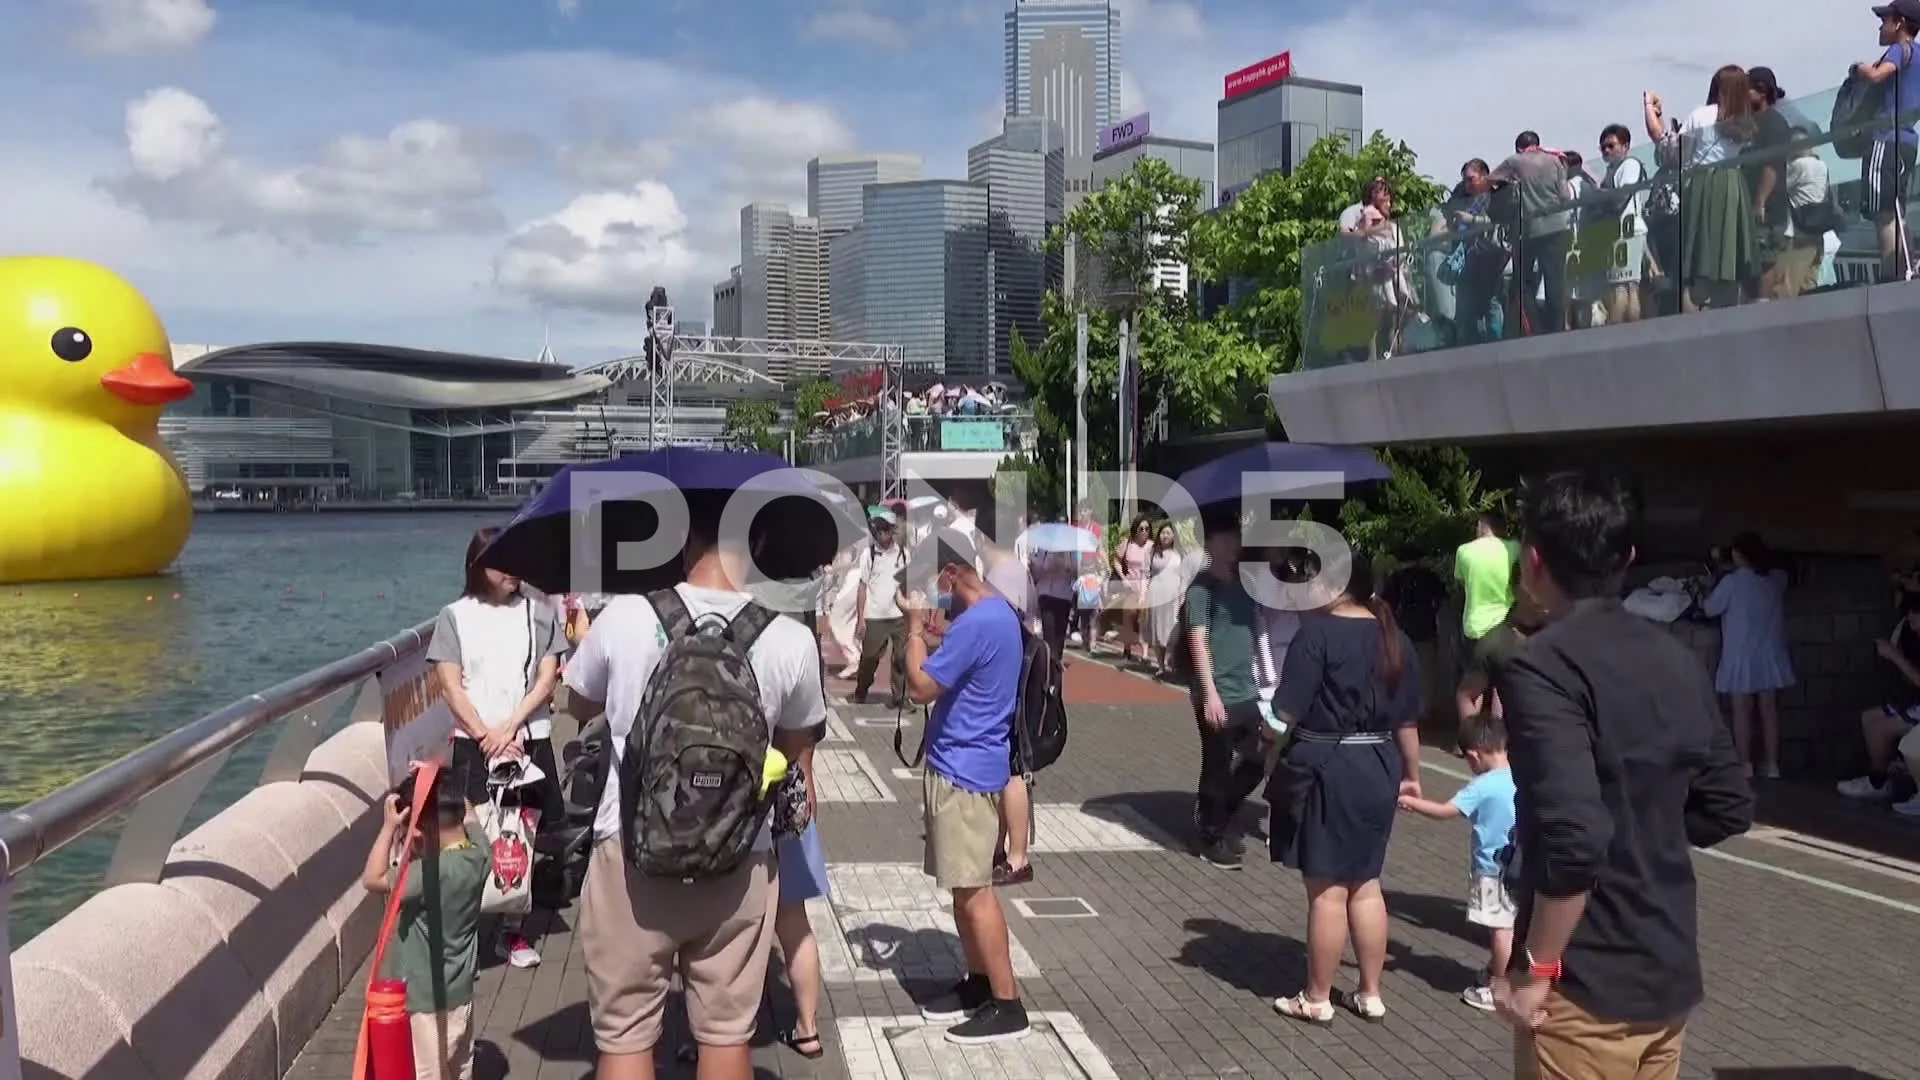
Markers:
{"x": 443, "y": 1044}
{"x": 631, "y": 929}
{"x": 963, "y": 829}
{"x": 1573, "y": 1044}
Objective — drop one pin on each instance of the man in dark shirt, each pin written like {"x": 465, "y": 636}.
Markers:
{"x": 1220, "y": 619}
{"x": 1621, "y": 763}
{"x": 1767, "y": 175}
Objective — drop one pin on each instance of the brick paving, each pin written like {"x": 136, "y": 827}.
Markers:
{"x": 1141, "y": 962}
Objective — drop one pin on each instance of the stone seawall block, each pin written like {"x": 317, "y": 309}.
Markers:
{"x": 224, "y": 969}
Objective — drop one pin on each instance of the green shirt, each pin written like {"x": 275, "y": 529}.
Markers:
{"x": 1228, "y": 615}
{"x": 436, "y": 945}
{"x": 1484, "y": 568}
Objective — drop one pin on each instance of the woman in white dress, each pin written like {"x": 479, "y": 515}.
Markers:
{"x": 843, "y": 589}
{"x": 1164, "y": 616}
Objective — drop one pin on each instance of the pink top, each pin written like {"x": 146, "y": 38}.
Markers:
{"x": 1134, "y": 559}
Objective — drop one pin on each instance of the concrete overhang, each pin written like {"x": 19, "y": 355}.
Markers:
{"x": 1854, "y": 352}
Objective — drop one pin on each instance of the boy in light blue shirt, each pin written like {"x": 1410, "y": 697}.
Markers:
{"x": 1487, "y": 804}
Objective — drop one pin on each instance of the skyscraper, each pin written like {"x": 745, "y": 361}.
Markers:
{"x": 835, "y": 183}
{"x": 783, "y": 290}
{"x": 1063, "y": 63}
{"x": 914, "y": 273}
{"x": 1023, "y": 170}
{"x": 1188, "y": 158}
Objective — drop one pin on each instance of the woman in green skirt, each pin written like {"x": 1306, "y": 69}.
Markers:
{"x": 1717, "y": 252}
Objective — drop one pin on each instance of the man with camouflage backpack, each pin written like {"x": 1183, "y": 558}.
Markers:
{"x": 697, "y": 683}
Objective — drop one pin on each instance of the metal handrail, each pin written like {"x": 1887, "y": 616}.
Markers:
{"x": 48, "y": 823}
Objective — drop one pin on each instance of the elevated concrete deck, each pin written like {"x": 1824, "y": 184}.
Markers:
{"x": 1840, "y": 354}
{"x": 1145, "y": 964}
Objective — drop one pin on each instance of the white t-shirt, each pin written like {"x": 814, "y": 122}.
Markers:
{"x": 1622, "y": 176}
{"x": 617, "y": 658}
{"x": 499, "y": 648}
{"x": 882, "y": 571}
{"x": 1275, "y": 632}
{"x": 1711, "y": 145}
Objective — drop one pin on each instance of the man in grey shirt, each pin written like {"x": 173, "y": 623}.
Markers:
{"x": 1545, "y": 233}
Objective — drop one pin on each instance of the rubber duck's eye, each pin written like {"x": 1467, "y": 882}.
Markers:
{"x": 72, "y": 344}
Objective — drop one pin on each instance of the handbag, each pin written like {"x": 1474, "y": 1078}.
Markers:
{"x": 509, "y": 830}
{"x": 788, "y": 811}
{"x": 1818, "y": 219}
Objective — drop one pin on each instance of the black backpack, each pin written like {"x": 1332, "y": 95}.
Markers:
{"x": 1855, "y": 107}
{"x": 1039, "y": 713}
{"x": 690, "y": 799}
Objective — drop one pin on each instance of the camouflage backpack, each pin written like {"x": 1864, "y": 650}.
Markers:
{"x": 691, "y": 805}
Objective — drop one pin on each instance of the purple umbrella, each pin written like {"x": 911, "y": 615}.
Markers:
{"x": 1308, "y": 466}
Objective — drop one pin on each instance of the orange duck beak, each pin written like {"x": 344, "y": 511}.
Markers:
{"x": 148, "y": 380}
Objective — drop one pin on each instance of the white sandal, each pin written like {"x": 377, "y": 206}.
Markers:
{"x": 1368, "y": 1007}
{"x": 1298, "y": 1007}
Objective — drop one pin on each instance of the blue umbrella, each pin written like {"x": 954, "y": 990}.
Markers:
{"x": 1061, "y": 538}
{"x": 537, "y": 546}
{"x": 1220, "y": 480}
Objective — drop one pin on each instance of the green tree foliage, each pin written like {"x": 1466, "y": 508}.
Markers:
{"x": 753, "y": 422}
{"x": 809, "y": 401}
{"x": 1428, "y": 506}
{"x": 1133, "y": 223}
{"x": 1260, "y": 237}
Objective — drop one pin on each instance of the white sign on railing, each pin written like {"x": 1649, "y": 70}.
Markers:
{"x": 417, "y": 719}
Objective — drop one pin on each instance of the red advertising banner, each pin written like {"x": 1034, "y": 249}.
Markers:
{"x": 1255, "y": 76}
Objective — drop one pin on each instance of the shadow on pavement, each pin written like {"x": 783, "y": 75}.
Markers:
{"x": 1427, "y": 912}
{"x": 1798, "y": 1072}
{"x": 1169, "y": 812}
{"x": 1264, "y": 964}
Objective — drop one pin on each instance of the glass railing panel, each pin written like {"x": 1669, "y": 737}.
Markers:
{"x": 1758, "y": 210}
{"x": 986, "y": 433}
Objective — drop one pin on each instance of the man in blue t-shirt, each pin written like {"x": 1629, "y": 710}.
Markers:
{"x": 1886, "y": 173}
{"x": 973, "y": 683}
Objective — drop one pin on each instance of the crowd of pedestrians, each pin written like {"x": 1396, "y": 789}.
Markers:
{"x": 1734, "y": 203}
{"x": 1595, "y": 740}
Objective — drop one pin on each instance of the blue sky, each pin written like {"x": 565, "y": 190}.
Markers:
{"x": 457, "y": 173}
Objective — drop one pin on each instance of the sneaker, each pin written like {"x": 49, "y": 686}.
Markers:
{"x": 962, "y": 1000}
{"x": 1769, "y": 771}
{"x": 1480, "y": 997}
{"x": 1222, "y": 855}
{"x": 1862, "y": 787}
{"x": 517, "y": 950}
{"x": 997, "y": 1021}
{"x": 1910, "y": 808}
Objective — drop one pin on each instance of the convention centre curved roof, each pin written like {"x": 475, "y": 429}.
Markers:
{"x": 397, "y": 377}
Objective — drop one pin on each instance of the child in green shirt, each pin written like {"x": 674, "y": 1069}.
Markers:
{"x": 436, "y": 943}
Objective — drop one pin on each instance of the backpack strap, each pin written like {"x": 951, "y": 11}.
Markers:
{"x": 746, "y": 627}
{"x": 672, "y": 612}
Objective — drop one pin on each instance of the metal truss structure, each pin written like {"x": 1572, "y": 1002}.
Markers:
{"x": 743, "y": 361}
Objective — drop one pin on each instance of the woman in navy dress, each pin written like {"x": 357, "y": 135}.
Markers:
{"x": 1350, "y": 693}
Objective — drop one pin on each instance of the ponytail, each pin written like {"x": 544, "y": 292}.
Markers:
{"x": 1392, "y": 659}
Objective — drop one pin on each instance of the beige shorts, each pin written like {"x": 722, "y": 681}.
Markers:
{"x": 631, "y": 929}
{"x": 443, "y": 1044}
{"x": 963, "y": 829}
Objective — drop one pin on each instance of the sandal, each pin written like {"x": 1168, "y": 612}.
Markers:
{"x": 807, "y": 1046}
{"x": 1367, "y": 1007}
{"x": 1299, "y": 1008}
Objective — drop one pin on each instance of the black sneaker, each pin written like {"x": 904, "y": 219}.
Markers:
{"x": 1222, "y": 855}
{"x": 965, "y": 998}
{"x": 998, "y": 1021}
{"x": 859, "y": 698}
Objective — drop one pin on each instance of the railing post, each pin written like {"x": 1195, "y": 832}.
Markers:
{"x": 10, "y": 1068}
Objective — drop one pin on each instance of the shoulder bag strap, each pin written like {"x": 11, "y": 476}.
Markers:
{"x": 746, "y": 627}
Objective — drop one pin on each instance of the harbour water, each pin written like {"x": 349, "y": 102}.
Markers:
{"x": 90, "y": 671}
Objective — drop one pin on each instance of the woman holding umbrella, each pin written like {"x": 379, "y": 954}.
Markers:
{"x": 496, "y": 654}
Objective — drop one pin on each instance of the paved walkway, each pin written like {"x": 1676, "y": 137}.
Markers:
{"x": 1141, "y": 962}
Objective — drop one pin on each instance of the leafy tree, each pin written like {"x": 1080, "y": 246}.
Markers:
{"x": 1136, "y": 221}
{"x": 1261, "y": 237}
{"x": 809, "y": 401}
{"x": 752, "y": 422}
{"x": 1429, "y": 505}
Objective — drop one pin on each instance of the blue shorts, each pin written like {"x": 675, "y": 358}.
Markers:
{"x": 803, "y": 866}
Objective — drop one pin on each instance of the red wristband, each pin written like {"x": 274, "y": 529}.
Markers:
{"x": 1545, "y": 971}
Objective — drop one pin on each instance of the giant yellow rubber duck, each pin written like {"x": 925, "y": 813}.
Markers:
{"x": 87, "y": 490}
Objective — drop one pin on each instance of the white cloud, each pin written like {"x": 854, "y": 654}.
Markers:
{"x": 602, "y": 252}
{"x": 767, "y": 131}
{"x": 135, "y": 27}
{"x": 858, "y": 26}
{"x": 423, "y": 176}
{"x": 602, "y": 152}
{"x": 1133, "y": 96}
